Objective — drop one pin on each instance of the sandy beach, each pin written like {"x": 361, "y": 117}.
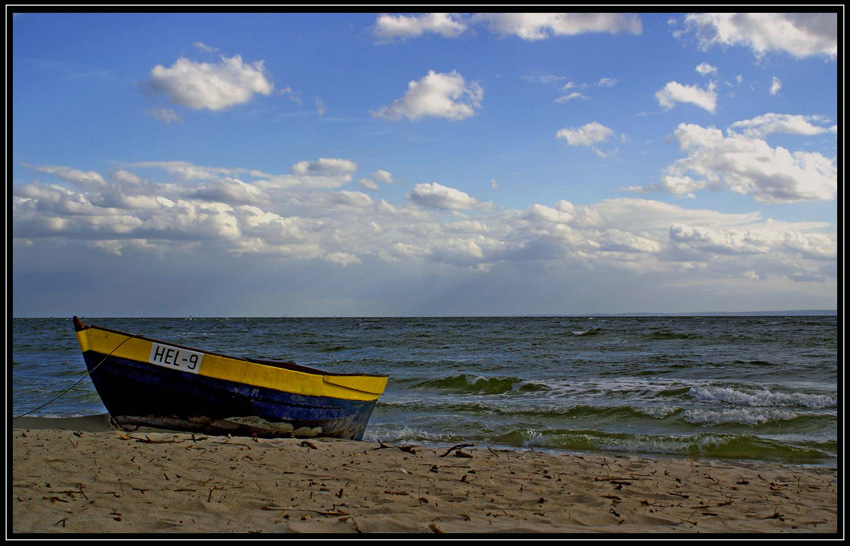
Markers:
{"x": 87, "y": 477}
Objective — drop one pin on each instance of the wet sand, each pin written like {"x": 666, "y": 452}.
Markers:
{"x": 83, "y": 476}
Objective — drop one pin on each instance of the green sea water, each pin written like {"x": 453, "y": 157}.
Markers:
{"x": 749, "y": 388}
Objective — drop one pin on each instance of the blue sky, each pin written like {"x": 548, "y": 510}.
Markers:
{"x": 423, "y": 164}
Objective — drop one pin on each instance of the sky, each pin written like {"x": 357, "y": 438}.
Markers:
{"x": 422, "y": 164}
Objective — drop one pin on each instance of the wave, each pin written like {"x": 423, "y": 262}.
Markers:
{"x": 590, "y": 332}
{"x": 667, "y": 417}
{"x": 762, "y": 398}
{"x": 670, "y": 335}
{"x": 716, "y": 446}
{"x": 709, "y": 445}
{"x": 472, "y": 384}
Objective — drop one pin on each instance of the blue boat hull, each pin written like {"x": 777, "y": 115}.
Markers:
{"x": 139, "y": 394}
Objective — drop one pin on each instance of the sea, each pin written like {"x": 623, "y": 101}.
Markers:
{"x": 744, "y": 388}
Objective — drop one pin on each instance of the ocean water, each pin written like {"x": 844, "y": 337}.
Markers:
{"x": 759, "y": 388}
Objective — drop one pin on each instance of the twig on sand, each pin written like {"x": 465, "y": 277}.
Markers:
{"x": 456, "y": 447}
{"x": 406, "y": 449}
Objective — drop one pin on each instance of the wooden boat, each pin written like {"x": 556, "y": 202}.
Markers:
{"x": 146, "y": 382}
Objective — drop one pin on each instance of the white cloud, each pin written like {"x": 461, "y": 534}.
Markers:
{"x": 571, "y": 96}
{"x": 189, "y": 171}
{"x": 607, "y": 82}
{"x": 290, "y": 94}
{"x": 320, "y": 106}
{"x": 378, "y": 177}
{"x": 165, "y": 115}
{"x": 747, "y": 165}
{"x": 640, "y": 238}
{"x": 705, "y": 68}
{"x": 402, "y": 27}
{"x": 367, "y": 184}
{"x": 441, "y": 95}
{"x": 615, "y": 240}
{"x": 765, "y": 124}
{"x": 204, "y": 47}
{"x": 540, "y": 26}
{"x": 436, "y": 195}
{"x": 775, "y": 85}
{"x": 212, "y": 86}
{"x": 342, "y": 258}
{"x": 229, "y": 190}
{"x": 675, "y": 92}
{"x": 798, "y": 34}
{"x": 325, "y": 167}
{"x": 84, "y": 179}
{"x": 586, "y": 135}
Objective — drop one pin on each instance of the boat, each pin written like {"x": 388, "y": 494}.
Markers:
{"x": 145, "y": 382}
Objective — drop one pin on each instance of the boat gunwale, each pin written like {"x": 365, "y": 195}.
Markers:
{"x": 286, "y": 365}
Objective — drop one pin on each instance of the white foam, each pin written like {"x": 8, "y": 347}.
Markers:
{"x": 763, "y": 398}
{"x": 744, "y": 416}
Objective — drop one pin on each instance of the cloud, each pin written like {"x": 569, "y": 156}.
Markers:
{"x": 749, "y": 166}
{"x": 705, "y": 68}
{"x": 320, "y": 106}
{"x": 571, "y": 96}
{"x": 540, "y": 26}
{"x": 440, "y": 95}
{"x": 436, "y": 195}
{"x": 325, "y": 167}
{"x": 289, "y": 93}
{"x": 402, "y": 27}
{"x": 84, "y": 179}
{"x": 229, "y": 190}
{"x": 775, "y": 85}
{"x": 220, "y": 216}
{"x": 675, "y": 92}
{"x": 204, "y": 47}
{"x": 189, "y": 171}
{"x": 212, "y": 86}
{"x": 798, "y": 34}
{"x": 165, "y": 115}
{"x": 378, "y": 177}
{"x": 765, "y": 124}
{"x": 587, "y": 135}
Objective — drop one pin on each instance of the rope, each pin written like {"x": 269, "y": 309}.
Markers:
{"x": 75, "y": 384}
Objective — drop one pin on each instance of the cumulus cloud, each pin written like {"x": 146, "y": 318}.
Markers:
{"x": 775, "y": 85}
{"x": 748, "y": 165}
{"x": 540, "y": 26}
{"x": 204, "y": 47}
{"x": 165, "y": 115}
{"x": 249, "y": 215}
{"x": 765, "y": 124}
{"x": 84, "y": 179}
{"x": 589, "y": 135}
{"x": 436, "y": 195}
{"x": 527, "y": 26}
{"x": 440, "y": 95}
{"x": 798, "y": 34}
{"x": 571, "y": 96}
{"x": 378, "y": 177}
{"x": 325, "y": 167}
{"x": 229, "y": 190}
{"x": 675, "y": 92}
{"x": 705, "y": 68}
{"x": 586, "y": 135}
{"x": 213, "y": 86}
{"x": 402, "y": 27}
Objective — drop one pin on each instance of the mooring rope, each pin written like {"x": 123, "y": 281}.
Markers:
{"x": 88, "y": 373}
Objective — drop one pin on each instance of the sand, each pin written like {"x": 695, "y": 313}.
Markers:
{"x": 90, "y": 478}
